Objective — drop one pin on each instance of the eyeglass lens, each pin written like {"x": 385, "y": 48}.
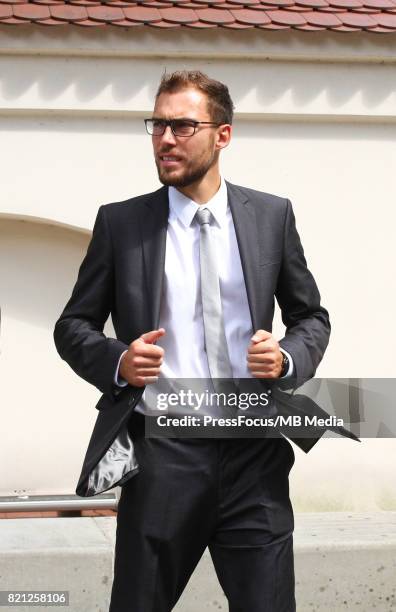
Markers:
{"x": 179, "y": 127}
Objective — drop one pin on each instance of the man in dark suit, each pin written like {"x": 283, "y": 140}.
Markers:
{"x": 189, "y": 274}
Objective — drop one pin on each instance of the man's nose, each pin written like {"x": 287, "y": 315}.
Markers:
{"x": 168, "y": 136}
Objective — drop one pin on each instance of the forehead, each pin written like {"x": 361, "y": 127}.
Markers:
{"x": 189, "y": 102}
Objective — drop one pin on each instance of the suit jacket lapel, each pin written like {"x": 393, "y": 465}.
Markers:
{"x": 245, "y": 223}
{"x": 153, "y": 223}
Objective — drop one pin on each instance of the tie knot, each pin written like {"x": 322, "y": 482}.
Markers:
{"x": 204, "y": 216}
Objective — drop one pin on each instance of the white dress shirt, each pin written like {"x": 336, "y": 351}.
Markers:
{"x": 181, "y": 305}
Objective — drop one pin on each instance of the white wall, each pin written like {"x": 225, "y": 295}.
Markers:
{"x": 319, "y": 132}
{"x": 44, "y": 408}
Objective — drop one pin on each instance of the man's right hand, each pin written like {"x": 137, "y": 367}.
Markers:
{"x": 142, "y": 362}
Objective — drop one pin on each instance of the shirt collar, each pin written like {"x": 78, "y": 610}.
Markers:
{"x": 183, "y": 208}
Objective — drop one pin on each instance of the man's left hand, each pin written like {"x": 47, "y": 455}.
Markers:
{"x": 264, "y": 356}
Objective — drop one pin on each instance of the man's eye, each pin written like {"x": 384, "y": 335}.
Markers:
{"x": 157, "y": 123}
{"x": 184, "y": 127}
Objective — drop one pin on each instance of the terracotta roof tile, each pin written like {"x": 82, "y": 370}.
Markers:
{"x": 12, "y": 21}
{"x": 308, "y": 28}
{"x": 343, "y": 28}
{"x": 365, "y": 10}
{"x": 245, "y": 2}
{"x": 158, "y": 5}
{"x": 249, "y": 17}
{"x": 142, "y": 14}
{"x": 5, "y": 11}
{"x": 209, "y": 2}
{"x": 238, "y": 26}
{"x": 273, "y": 26}
{"x": 83, "y": 3}
{"x": 121, "y": 3}
{"x": 379, "y": 4}
{"x": 67, "y": 12}
{"x": 31, "y": 11}
{"x": 125, "y": 23}
{"x": 46, "y": 2}
{"x": 297, "y": 9}
{"x": 200, "y": 25}
{"x": 286, "y": 18}
{"x": 345, "y": 4}
{"x": 386, "y": 21}
{"x": 312, "y": 3}
{"x": 307, "y": 15}
{"x": 51, "y": 22}
{"x": 89, "y": 23}
{"x": 105, "y": 13}
{"x": 357, "y": 20}
{"x": 215, "y": 15}
{"x": 279, "y": 3}
{"x": 179, "y": 15}
{"x": 326, "y": 20}
{"x": 163, "y": 24}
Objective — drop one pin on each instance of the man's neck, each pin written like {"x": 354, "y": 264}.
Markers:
{"x": 203, "y": 190}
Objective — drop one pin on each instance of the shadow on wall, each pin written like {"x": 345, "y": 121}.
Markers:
{"x": 38, "y": 267}
{"x": 266, "y": 81}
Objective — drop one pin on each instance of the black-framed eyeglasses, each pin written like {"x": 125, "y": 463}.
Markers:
{"x": 179, "y": 127}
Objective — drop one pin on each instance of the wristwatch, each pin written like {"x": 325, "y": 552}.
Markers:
{"x": 285, "y": 365}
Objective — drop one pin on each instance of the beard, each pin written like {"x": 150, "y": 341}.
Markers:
{"x": 190, "y": 175}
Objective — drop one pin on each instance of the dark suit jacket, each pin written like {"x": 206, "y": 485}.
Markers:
{"x": 122, "y": 274}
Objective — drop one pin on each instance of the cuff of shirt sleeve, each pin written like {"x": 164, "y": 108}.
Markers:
{"x": 291, "y": 364}
{"x": 120, "y": 382}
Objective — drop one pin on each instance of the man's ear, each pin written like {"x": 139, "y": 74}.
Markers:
{"x": 223, "y": 136}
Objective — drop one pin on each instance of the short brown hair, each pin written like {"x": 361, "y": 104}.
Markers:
{"x": 220, "y": 105}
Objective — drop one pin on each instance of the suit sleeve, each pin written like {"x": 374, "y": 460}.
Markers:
{"x": 307, "y": 322}
{"x": 78, "y": 333}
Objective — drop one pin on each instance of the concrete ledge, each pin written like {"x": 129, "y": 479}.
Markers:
{"x": 71, "y": 554}
{"x": 344, "y": 561}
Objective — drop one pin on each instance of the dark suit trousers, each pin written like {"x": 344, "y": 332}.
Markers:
{"x": 229, "y": 494}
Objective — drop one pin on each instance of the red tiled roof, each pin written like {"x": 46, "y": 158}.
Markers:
{"x": 309, "y": 15}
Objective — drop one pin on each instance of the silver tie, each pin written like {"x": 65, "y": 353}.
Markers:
{"x": 215, "y": 338}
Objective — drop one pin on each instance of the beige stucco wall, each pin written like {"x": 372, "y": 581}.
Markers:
{"x": 315, "y": 122}
{"x": 44, "y": 415}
